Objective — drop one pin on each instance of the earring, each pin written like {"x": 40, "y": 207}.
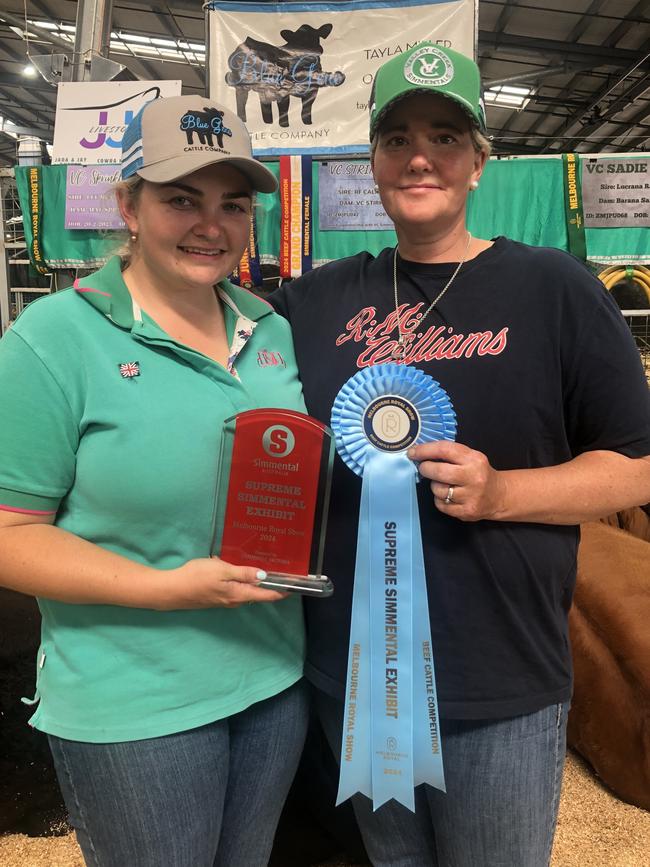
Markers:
{"x": 133, "y": 237}
{"x": 473, "y": 185}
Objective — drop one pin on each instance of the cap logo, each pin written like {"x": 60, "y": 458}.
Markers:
{"x": 428, "y": 67}
{"x": 204, "y": 125}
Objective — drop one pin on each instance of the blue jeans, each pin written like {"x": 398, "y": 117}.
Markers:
{"x": 503, "y": 786}
{"x": 208, "y": 797}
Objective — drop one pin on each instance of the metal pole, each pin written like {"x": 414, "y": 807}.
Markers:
{"x": 92, "y": 36}
{"x": 5, "y": 303}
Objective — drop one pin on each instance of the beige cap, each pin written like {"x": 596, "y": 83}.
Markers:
{"x": 173, "y": 136}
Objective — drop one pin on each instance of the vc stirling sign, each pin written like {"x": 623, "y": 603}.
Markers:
{"x": 278, "y": 72}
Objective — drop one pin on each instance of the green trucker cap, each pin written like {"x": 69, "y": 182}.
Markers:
{"x": 427, "y": 68}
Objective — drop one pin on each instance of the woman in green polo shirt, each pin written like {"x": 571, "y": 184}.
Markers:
{"x": 174, "y": 710}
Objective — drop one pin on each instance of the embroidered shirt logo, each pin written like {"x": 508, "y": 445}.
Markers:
{"x": 129, "y": 369}
{"x": 270, "y": 359}
{"x": 428, "y": 67}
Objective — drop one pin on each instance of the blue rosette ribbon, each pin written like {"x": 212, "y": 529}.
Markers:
{"x": 391, "y": 735}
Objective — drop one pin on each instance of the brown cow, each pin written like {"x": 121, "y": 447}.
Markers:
{"x": 609, "y": 723}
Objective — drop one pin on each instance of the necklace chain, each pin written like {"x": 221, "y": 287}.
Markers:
{"x": 400, "y": 350}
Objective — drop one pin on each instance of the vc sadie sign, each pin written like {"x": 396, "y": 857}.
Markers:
{"x": 616, "y": 192}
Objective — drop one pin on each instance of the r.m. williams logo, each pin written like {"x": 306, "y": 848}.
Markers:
{"x": 204, "y": 124}
{"x": 428, "y": 67}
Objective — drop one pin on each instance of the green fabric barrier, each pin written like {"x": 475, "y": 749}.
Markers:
{"x": 609, "y": 245}
{"x": 60, "y": 247}
{"x": 522, "y": 199}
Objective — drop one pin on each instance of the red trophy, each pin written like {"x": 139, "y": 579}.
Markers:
{"x": 273, "y": 490}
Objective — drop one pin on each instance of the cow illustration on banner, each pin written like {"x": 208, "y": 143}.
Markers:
{"x": 278, "y": 72}
{"x": 299, "y": 74}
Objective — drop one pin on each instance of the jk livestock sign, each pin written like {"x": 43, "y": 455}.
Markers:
{"x": 91, "y": 117}
{"x": 299, "y": 74}
{"x": 616, "y": 192}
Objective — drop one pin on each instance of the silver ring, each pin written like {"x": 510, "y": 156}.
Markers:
{"x": 450, "y": 495}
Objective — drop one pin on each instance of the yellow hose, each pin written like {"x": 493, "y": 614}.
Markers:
{"x": 639, "y": 274}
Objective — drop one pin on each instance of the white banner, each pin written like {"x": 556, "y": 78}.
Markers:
{"x": 299, "y": 74}
{"x": 91, "y": 117}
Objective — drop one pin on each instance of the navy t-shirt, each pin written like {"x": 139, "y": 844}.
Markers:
{"x": 540, "y": 366}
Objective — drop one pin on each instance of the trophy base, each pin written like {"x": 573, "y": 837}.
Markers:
{"x": 308, "y": 585}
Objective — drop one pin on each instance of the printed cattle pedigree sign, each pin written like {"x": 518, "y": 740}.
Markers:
{"x": 615, "y": 192}
{"x": 348, "y": 198}
{"x": 90, "y": 201}
{"x": 299, "y": 75}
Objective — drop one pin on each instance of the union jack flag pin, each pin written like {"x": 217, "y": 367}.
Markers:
{"x": 129, "y": 369}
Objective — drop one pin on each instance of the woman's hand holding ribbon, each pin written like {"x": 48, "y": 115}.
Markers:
{"x": 463, "y": 482}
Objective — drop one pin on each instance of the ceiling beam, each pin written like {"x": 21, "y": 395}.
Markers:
{"x": 641, "y": 10}
{"x": 33, "y": 113}
{"x": 547, "y": 47}
{"x": 579, "y": 29}
{"x": 585, "y": 121}
{"x": 568, "y": 11}
{"x": 40, "y": 35}
{"x": 9, "y": 80}
{"x": 630, "y": 124}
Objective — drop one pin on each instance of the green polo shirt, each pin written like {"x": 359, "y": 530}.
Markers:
{"x": 116, "y": 428}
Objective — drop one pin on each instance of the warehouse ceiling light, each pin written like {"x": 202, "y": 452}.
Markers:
{"x": 509, "y": 95}
{"x": 137, "y": 45}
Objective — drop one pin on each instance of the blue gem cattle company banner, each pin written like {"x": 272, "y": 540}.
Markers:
{"x": 299, "y": 74}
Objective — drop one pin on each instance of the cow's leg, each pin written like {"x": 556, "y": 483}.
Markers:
{"x": 242, "y": 97}
{"x": 307, "y": 102}
{"x": 283, "y": 109}
{"x": 267, "y": 110}
{"x": 188, "y": 133}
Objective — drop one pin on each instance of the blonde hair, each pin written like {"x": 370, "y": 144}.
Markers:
{"x": 481, "y": 142}
{"x": 130, "y": 189}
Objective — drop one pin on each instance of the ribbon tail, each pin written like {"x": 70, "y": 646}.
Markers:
{"x": 427, "y": 746}
{"x": 390, "y": 479}
{"x": 355, "y": 773}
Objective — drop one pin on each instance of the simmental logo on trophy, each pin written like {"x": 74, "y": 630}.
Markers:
{"x": 204, "y": 124}
{"x": 278, "y": 441}
{"x": 429, "y": 67}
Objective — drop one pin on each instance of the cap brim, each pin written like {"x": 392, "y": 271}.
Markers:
{"x": 405, "y": 94}
{"x": 165, "y": 171}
